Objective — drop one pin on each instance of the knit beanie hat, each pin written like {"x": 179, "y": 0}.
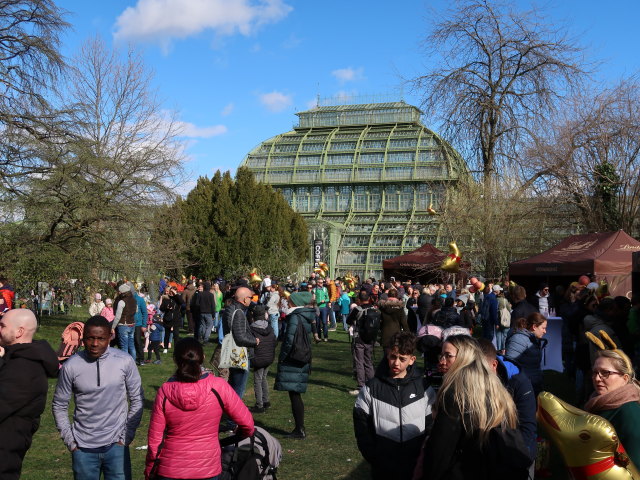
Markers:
{"x": 300, "y": 299}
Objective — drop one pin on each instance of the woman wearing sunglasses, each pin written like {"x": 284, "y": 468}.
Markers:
{"x": 617, "y": 398}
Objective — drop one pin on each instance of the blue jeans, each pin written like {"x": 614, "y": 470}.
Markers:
{"x": 217, "y": 322}
{"x": 332, "y": 313}
{"x": 126, "y": 340}
{"x": 115, "y": 464}
{"x": 344, "y": 321}
{"x": 238, "y": 380}
{"x": 206, "y": 324}
{"x": 274, "y": 318}
{"x": 501, "y": 338}
{"x": 323, "y": 327}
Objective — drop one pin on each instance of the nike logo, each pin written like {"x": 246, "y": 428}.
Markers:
{"x": 413, "y": 395}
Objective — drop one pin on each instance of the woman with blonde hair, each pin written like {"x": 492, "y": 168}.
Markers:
{"x": 472, "y": 410}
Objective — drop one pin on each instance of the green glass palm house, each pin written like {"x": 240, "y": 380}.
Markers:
{"x": 363, "y": 176}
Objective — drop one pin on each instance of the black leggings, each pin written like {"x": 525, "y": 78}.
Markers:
{"x": 297, "y": 408}
{"x": 167, "y": 333}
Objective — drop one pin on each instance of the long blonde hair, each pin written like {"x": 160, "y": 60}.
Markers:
{"x": 477, "y": 391}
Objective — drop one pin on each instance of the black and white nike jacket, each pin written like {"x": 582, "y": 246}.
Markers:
{"x": 391, "y": 419}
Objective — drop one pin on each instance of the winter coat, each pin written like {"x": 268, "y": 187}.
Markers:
{"x": 204, "y": 302}
{"x": 626, "y": 421}
{"x": 95, "y": 308}
{"x": 8, "y": 294}
{"x": 156, "y": 332}
{"x": 24, "y": 369}
{"x": 108, "y": 313}
{"x": 522, "y": 309}
{"x": 391, "y": 419}
{"x": 519, "y": 386}
{"x": 489, "y": 312}
{"x": 526, "y": 349}
{"x": 393, "y": 319}
{"x": 273, "y": 302}
{"x": 171, "y": 306}
{"x": 345, "y": 302}
{"x": 187, "y": 295}
{"x": 424, "y": 305}
{"x": 447, "y": 317}
{"x": 188, "y": 416}
{"x": 293, "y": 376}
{"x": 452, "y": 454}
{"x": 265, "y": 352}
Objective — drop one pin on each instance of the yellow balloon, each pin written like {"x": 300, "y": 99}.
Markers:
{"x": 588, "y": 443}
{"x": 451, "y": 263}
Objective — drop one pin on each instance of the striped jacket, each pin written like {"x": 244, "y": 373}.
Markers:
{"x": 391, "y": 419}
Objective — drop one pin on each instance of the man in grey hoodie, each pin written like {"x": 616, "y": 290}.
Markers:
{"x": 108, "y": 398}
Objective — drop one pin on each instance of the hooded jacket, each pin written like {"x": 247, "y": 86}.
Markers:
{"x": 101, "y": 388}
{"x": 293, "y": 376}
{"x": 391, "y": 418}
{"x": 265, "y": 352}
{"x": 189, "y": 414}
{"x": 8, "y": 294}
{"x": 393, "y": 318}
{"x": 24, "y": 369}
{"x": 521, "y": 390}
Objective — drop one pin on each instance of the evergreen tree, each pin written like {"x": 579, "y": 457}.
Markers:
{"x": 237, "y": 225}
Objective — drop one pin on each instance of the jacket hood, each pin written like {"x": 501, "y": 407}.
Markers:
{"x": 187, "y": 396}
{"x": 391, "y": 303}
{"x": 384, "y": 373}
{"x": 507, "y": 368}
{"x": 262, "y": 327}
{"x": 37, "y": 351}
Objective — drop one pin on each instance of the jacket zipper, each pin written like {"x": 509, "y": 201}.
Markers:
{"x": 400, "y": 411}
{"x": 98, "y": 368}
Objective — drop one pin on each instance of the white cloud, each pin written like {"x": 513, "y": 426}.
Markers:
{"x": 348, "y": 74}
{"x": 163, "y": 20}
{"x": 228, "y": 109}
{"x": 276, "y": 101}
{"x": 189, "y": 130}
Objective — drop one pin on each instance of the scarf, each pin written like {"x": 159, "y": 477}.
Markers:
{"x": 614, "y": 399}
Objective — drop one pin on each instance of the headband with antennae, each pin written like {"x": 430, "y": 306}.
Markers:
{"x": 612, "y": 346}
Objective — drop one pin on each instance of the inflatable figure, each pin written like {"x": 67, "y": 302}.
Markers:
{"x": 451, "y": 262}
{"x": 254, "y": 278}
{"x": 588, "y": 443}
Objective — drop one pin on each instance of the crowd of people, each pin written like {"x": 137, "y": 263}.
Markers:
{"x": 466, "y": 409}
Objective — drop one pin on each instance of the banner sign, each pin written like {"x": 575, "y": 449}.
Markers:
{"x": 318, "y": 252}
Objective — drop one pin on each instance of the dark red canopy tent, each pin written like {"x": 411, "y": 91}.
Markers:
{"x": 422, "y": 264}
{"x": 606, "y": 255}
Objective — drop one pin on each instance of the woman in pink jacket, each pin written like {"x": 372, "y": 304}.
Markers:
{"x": 185, "y": 417}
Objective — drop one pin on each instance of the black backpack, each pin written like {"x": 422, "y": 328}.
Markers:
{"x": 369, "y": 324}
{"x": 301, "y": 349}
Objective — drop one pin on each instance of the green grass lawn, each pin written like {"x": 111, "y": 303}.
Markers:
{"x": 329, "y": 451}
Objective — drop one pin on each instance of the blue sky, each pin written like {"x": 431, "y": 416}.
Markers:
{"x": 236, "y": 71}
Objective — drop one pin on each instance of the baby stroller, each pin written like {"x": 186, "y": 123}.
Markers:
{"x": 253, "y": 458}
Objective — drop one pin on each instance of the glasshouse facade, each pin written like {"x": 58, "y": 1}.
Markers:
{"x": 365, "y": 177}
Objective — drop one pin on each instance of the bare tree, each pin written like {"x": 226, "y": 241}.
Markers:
{"x": 591, "y": 156}
{"x": 30, "y": 65}
{"x": 93, "y": 202}
{"x": 497, "y": 73}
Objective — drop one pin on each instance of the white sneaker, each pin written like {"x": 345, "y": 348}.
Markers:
{"x": 355, "y": 392}
{"x": 165, "y": 351}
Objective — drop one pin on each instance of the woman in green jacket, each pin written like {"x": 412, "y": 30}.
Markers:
{"x": 293, "y": 375}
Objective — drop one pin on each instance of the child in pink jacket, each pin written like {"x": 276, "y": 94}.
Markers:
{"x": 189, "y": 404}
